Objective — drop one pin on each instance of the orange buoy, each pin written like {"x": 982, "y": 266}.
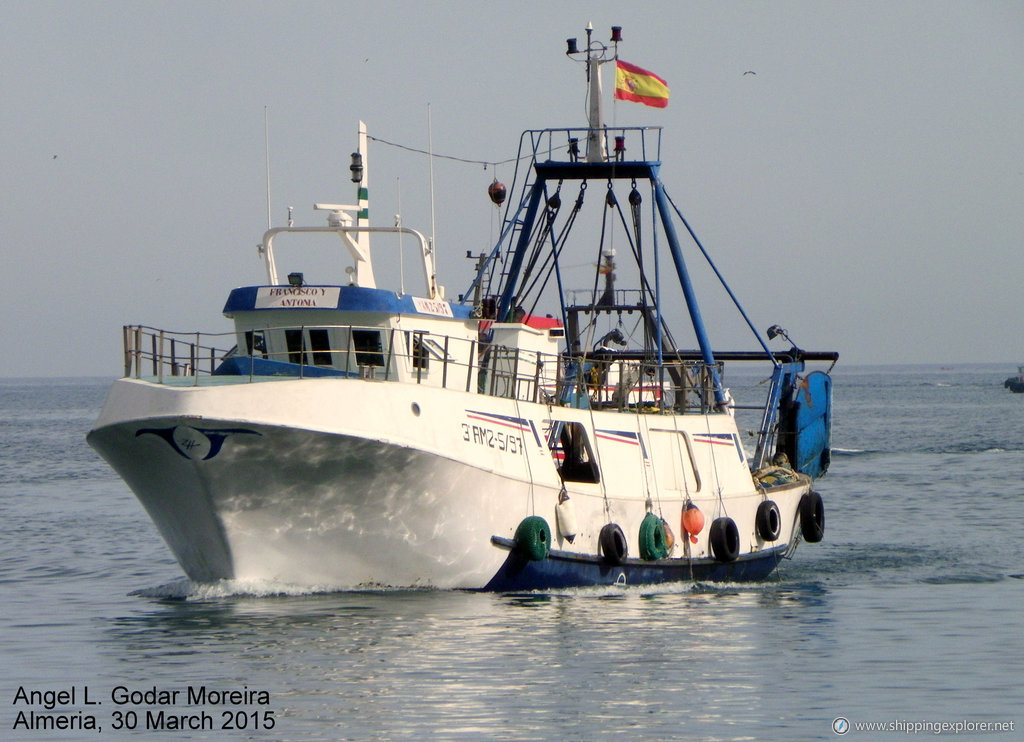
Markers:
{"x": 670, "y": 538}
{"x": 692, "y": 521}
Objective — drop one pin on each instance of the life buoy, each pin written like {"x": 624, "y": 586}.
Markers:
{"x": 533, "y": 538}
{"x": 812, "y": 517}
{"x": 613, "y": 543}
{"x": 768, "y": 521}
{"x": 725, "y": 539}
{"x": 653, "y": 542}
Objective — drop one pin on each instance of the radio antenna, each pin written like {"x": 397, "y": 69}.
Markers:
{"x": 266, "y": 150}
{"x": 430, "y": 147}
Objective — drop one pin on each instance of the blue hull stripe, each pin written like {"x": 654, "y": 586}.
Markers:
{"x": 564, "y": 569}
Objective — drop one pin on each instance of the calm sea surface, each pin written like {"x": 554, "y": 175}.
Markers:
{"x": 909, "y": 612}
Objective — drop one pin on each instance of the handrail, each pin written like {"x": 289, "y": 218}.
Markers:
{"x": 540, "y": 140}
{"x": 426, "y": 252}
{"x": 168, "y": 363}
{"x": 614, "y": 381}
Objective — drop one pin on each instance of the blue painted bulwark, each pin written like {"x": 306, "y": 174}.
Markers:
{"x": 250, "y": 366}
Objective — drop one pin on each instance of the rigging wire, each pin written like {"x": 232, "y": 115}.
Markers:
{"x": 544, "y": 231}
{"x": 646, "y": 290}
{"x": 721, "y": 279}
{"x": 464, "y": 160}
{"x": 557, "y": 245}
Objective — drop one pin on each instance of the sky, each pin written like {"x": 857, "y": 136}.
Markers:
{"x": 864, "y": 189}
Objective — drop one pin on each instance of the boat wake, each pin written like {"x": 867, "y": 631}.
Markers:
{"x": 185, "y": 589}
{"x": 850, "y": 451}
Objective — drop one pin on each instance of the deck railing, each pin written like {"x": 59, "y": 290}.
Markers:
{"x": 176, "y": 354}
{"x": 599, "y": 381}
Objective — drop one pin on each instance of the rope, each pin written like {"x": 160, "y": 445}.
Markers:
{"x": 714, "y": 469}
{"x": 592, "y": 326}
{"x": 686, "y": 488}
{"x": 643, "y": 468}
{"x": 465, "y": 160}
{"x": 597, "y": 457}
{"x": 526, "y": 449}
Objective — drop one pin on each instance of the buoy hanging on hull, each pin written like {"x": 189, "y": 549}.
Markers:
{"x": 533, "y": 538}
{"x": 692, "y": 521}
{"x": 670, "y": 538}
{"x": 653, "y": 542}
{"x": 565, "y": 517}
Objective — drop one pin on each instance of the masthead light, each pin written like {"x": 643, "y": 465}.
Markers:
{"x": 356, "y": 167}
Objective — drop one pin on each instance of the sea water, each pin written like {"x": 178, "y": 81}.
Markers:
{"x": 907, "y": 615}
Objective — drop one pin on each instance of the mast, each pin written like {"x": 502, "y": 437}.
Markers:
{"x": 599, "y": 164}
{"x": 596, "y": 55}
{"x": 344, "y": 217}
{"x": 596, "y": 151}
{"x": 359, "y": 245}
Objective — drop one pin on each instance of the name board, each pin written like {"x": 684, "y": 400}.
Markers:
{"x": 297, "y": 297}
{"x": 432, "y": 306}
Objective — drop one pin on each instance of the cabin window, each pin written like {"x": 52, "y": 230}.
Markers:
{"x": 573, "y": 455}
{"x": 420, "y": 357}
{"x": 255, "y": 343}
{"x": 368, "y": 347}
{"x": 293, "y": 339}
{"x": 422, "y": 348}
{"x": 320, "y": 344}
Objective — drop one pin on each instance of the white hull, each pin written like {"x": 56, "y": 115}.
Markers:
{"x": 342, "y": 483}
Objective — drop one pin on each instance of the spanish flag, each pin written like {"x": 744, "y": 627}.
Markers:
{"x": 638, "y": 85}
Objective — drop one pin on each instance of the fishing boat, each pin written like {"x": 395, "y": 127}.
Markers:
{"x": 518, "y": 436}
{"x": 1016, "y": 383}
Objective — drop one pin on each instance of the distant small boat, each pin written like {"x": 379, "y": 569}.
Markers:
{"x": 1016, "y": 383}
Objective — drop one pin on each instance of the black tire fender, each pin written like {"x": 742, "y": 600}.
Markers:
{"x": 768, "y": 521}
{"x": 613, "y": 544}
{"x": 812, "y": 517}
{"x": 725, "y": 539}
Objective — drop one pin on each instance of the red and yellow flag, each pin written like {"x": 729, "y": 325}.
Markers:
{"x": 638, "y": 85}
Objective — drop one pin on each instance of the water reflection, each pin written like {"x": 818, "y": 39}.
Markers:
{"x": 692, "y": 661}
